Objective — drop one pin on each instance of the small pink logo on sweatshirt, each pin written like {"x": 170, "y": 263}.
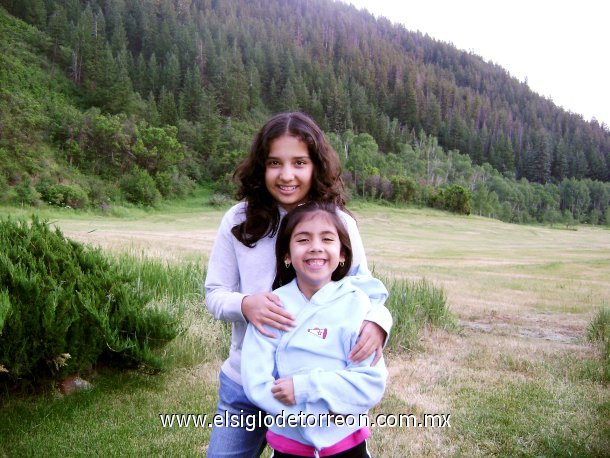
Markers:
{"x": 318, "y": 332}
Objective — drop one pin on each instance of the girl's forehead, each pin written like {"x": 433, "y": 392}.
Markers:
{"x": 287, "y": 140}
{"x": 318, "y": 217}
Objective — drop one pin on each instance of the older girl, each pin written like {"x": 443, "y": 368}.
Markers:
{"x": 290, "y": 162}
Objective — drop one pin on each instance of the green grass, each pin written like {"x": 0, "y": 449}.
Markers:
{"x": 531, "y": 418}
{"x": 196, "y": 203}
{"x": 599, "y": 334}
{"x": 118, "y": 417}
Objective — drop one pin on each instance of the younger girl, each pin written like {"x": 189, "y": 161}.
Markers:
{"x": 306, "y": 371}
{"x": 290, "y": 162}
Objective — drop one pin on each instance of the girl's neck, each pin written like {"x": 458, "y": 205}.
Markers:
{"x": 309, "y": 290}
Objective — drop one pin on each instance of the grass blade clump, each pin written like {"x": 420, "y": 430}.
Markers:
{"x": 64, "y": 306}
{"x": 414, "y": 305}
{"x": 599, "y": 334}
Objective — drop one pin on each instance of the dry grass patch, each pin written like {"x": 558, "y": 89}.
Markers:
{"x": 507, "y": 396}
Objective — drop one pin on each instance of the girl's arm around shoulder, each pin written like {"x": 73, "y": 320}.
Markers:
{"x": 223, "y": 298}
{"x": 377, "y": 294}
{"x": 378, "y": 314}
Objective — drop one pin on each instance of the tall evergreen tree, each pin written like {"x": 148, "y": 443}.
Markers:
{"x": 171, "y": 77}
{"x": 152, "y": 78}
{"x": 168, "y": 113}
{"x": 58, "y": 29}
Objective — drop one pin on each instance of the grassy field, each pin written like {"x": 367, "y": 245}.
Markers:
{"x": 517, "y": 374}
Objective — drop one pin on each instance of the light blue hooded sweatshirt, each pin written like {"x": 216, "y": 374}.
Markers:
{"x": 314, "y": 353}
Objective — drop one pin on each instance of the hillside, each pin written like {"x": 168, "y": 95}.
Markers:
{"x": 34, "y": 95}
{"x": 170, "y": 93}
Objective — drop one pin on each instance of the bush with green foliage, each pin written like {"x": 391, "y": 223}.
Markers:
{"x": 139, "y": 187}
{"x": 219, "y": 199}
{"x": 4, "y": 188}
{"x": 171, "y": 183}
{"x": 457, "y": 199}
{"x": 63, "y": 194}
{"x": 65, "y": 306}
{"x": 454, "y": 198}
{"x": 25, "y": 193}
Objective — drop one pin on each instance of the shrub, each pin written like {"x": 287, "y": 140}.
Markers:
{"x": 219, "y": 199}
{"x": 140, "y": 188}
{"x": 403, "y": 188}
{"x": 65, "y": 306}
{"x": 226, "y": 185}
{"x": 4, "y": 188}
{"x": 64, "y": 195}
{"x": 455, "y": 199}
{"x": 25, "y": 193}
{"x": 101, "y": 192}
{"x": 171, "y": 183}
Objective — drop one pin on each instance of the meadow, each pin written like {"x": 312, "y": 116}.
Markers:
{"x": 515, "y": 371}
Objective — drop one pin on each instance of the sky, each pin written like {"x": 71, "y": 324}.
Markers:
{"x": 561, "y": 47}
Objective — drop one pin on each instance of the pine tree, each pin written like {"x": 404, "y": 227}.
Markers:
{"x": 192, "y": 96}
{"x": 254, "y": 87}
{"x": 33, "y": 12}
{"x": 58, "y": 29}
{"x": 168, "y": 113}
{"x": 151, "y": 113}
{"x": 559, "y": 167}
{"x": 408, "y": 102}
{"x": 538, "y": 166}
{"x": 235, "y": 94}
{"x": 432, "y": 118}
{"x": 139, "y": 75}
{"x": 170, "y": 77}
{"x": 152, "y": 81}
{"x": 288, "y": 98}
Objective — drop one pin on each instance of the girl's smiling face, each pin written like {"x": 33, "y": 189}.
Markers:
{"x": 288, "y": 171}
{"x": 315, "y": 252}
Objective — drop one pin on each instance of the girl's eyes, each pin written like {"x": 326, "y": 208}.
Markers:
{"x": 325, "y": 239}
{"x": 274, "y": 163}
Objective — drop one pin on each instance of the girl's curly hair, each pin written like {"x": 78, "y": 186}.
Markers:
{"x": 262, "y": 214}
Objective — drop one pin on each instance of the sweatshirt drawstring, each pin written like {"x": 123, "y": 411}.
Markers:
{"x": 316, "y": 454}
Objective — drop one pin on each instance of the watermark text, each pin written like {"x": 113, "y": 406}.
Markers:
{"x": 250, "y": 422}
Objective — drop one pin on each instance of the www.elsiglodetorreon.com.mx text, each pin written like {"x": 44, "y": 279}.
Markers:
{"x": 303, "y": 420}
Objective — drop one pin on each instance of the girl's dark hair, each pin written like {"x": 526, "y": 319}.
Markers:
{"x": 284, "y": 275}
{"x": 262, "y": 215}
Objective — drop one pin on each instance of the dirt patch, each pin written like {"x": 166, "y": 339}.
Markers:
{"x": 556, "y": 328}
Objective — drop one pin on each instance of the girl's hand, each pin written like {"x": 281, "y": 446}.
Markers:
{"x": 283, "y": 391}
{"x": 266, "y": 308}
{"x": 371, "y": 340}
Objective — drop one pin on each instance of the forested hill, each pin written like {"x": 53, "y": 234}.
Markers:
{"x": 198, "y": 76}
